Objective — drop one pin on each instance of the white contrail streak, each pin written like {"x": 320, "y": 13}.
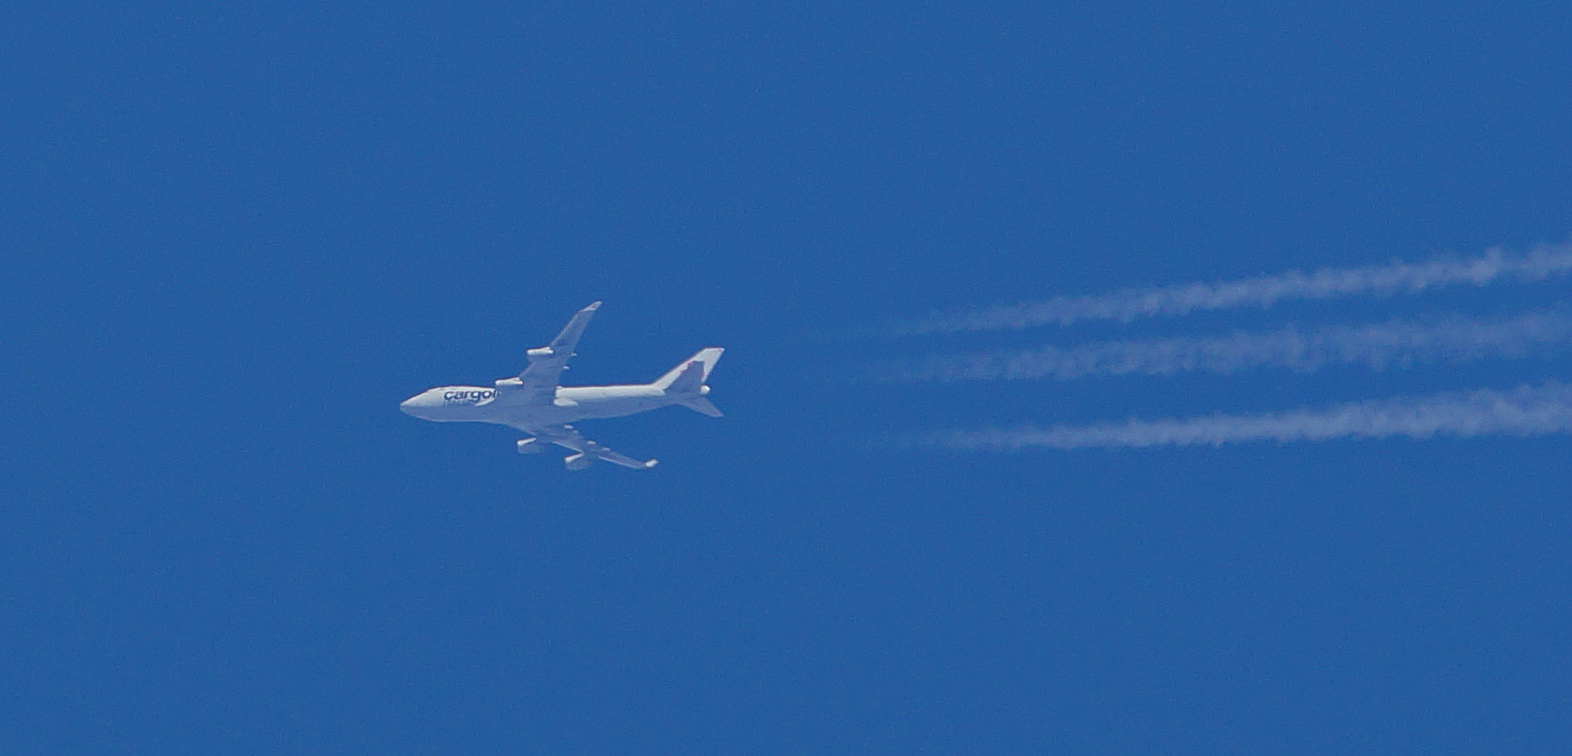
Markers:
{"x": 1525, "y": 411}
{"x": 1395, "y": 343}
{"x": 1330, "y": 283}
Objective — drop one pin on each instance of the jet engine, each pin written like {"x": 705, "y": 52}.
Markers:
{"x": 531, "y": 446}
{"x": 577, "y": 461}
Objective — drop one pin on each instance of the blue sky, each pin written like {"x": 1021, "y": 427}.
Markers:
{"x": 239, "y": 236}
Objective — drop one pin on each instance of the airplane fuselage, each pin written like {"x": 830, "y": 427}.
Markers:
{"x": 534, "y": 402}
{"x": 499, "y": 405}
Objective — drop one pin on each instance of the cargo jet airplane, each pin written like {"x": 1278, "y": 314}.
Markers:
{"x": 535, "y": 404}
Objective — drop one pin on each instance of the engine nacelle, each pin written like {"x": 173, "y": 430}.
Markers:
{"x": 577, "y": 461}
{"x": 531, "y": 446}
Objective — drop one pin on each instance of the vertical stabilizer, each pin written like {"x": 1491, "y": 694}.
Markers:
{"x": 704, "y": 360}
{"x": 685, "y": 382}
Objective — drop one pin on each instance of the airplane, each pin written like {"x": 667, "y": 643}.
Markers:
{"x": 534, "y": 403}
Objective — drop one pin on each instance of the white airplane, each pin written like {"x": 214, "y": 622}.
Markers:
{"x": 534, "y": 402}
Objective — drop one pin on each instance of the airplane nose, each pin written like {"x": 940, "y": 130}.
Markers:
{"x": 408, "y": 405}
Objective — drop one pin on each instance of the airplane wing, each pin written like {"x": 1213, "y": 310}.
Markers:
{"x": 539, "y": 380}
{"x": 567, "y": 437}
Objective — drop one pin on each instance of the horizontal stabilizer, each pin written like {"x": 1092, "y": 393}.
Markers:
{"x": 701, "y": 405}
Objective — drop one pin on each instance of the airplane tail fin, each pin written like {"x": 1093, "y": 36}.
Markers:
{"x": 700, "y": 364}
{"x": 687, "y": 381}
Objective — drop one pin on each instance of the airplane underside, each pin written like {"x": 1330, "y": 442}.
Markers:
{"x": 534, "y": 403}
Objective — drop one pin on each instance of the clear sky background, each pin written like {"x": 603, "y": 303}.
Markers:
{"x": 236, "y": 237}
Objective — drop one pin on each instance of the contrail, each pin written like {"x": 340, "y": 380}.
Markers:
{"x": 1395, "y": 343}
{"x": 1525, "y": 411}
{"x": 1329, "y": 283}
